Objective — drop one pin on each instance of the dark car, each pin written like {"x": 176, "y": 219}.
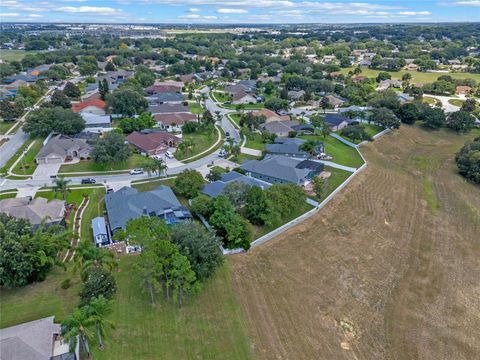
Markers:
{"x": 227, "y": 134}
{"x": 88, "y": 181}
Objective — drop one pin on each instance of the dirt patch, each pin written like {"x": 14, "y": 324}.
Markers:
{"x": 382, "y": 272}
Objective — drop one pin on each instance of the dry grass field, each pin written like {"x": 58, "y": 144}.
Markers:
{"x": 389, "y": 269}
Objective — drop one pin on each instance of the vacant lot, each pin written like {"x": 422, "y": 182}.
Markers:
{"x": 388, "y": 270}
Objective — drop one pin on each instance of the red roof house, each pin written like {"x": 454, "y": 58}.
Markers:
{"x": 153, "y": 143}
{"x": 92, "y": 106}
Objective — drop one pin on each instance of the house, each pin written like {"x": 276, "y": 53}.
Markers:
{"x": 93, "y": 106}
{"x": 463, "y": 90}
{"x": 215, "y": 188}
{"x": 35, "y": 340}
{"x": 38, "y": 70}
{"x": 153, "y": 143}
{"x": 279, "y": 169}
{"x": 164, "y": 87}
{"x": 20, "y": 77}
{"x": 168, "y": 108}
{"x": 61, "y": 148}
{"x": 97, "y": 123}
{"x": 291, "y": 147}
{"x": 404, "y": 97}
{"x": 35, "y": 210}
{"x": 336, "y": 101}
{"x": 170, "y": 98}
{"x": 328, "y": 59}
{"x": 280, "y": 128}
{"x": 174, "y": 121}
{"x": 248, "y": 85}
{"x": 188, "y": 78}
{"x": 243, "y": 98}
{"x": 100, "y": 232}
{"x": 296, "y": 95}
{"x": 129, "y": 203}
{"x": 336, "y": 121}
{"x": 386, "y": 84}
{"x": 270, "y": 115}
{"x": 358, "y": 79}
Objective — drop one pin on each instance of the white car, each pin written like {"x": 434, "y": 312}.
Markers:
{"x": 158, "y": 157}
{"x": 136, "y": 171}
{"x": 169, "y": 154}
{"x": 222, "y": 152}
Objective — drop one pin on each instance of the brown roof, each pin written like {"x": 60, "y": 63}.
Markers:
{"x": 152, "y": 141}
{"x": 175, "y": 118}
{"x": 463, "y": 89}
{"x": 270, "y": 115}
{"x": 93, "y": 102}
{"x": 157, "y": 89}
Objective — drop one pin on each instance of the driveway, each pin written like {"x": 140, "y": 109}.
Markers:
{"x": 446, "y": 106}
{"x": 44, "y": 171}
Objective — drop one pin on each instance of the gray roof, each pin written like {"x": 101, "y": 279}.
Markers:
{"x": 215, "y": 188}
{"x": 128, "y": 203}
{"x": 279, "y": 167}
{"x": 34, "y": 210}
{"x": 29, "y": 341}
{"x": 167, "y": 108}
{"x": 61, "y": 144}
{"x": 92, "y": 119}
{"x": 335, "y": 119}
{"x": 276, "y": 127}
{"x": 98, "y": 226}
{"x": 173, "y": 96}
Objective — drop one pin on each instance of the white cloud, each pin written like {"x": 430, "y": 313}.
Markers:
{"x": 414, "y": 13}
{"x": 232, "y": 11}
{"x": 10, "y": 14}
{"x": 35, "y": 15}
{"x": 89, "y": 10}
{"x": 468, "y": 3}
{"x": 194, "y": 9}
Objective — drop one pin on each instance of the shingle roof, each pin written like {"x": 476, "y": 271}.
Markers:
{"x": 168, "y": 108}
{"x": 335, "y": 119}
{"x": 170, "y": 96}
{"x": 128, "y": 203}
{"x": 61, "y": 144}
{"x": 152, "y": 140}
{"x": 215, "y": 188}
{"x": 93, "y": 102}
{"x": 175, "y": 118}
{"x": 98, "y": 226}
{"x": 34, "y": 210}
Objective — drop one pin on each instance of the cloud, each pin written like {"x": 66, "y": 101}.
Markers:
{"x": 89, "y": 10}
{"x": 467, "y": 3}
{"x": 414, "y": 13}
{"x": 194, "y": 9}
{"x": 10, "y": 14}
{"x": 35, "y": 15}
{"x": 232, "y": 11}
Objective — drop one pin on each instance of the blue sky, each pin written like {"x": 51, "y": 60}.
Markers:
{"x": 239, "y": 11}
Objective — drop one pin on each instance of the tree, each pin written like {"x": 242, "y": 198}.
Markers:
{"x": 72, "y": 90}
{"x": 87, "y": 65}
{"x": 385, "y": 99}
{"x": 10, "y": 111}
{"x": 236, "y": 192}
{"x": 202, "y": 205}
{"x": 207, "y": 118}
{"x": 325, "y": 103}
{"x": 433, "y": 118}
{"x": 469, "y": 105}
{"x": 215, "y": 174}
{"x": 468, "y": 160}
{"x": 142, "y": 122}
{"x": 407, "y": 77}
{"x": 409, "y": 113}
{"x": 258, "y": 208}
{"x": 149, "y": 271}
{"x": 310, "y": 147}
{"x": 355, "y": 132}
{"x": 182, "y": 279}
{"x": 59, "y": 99}
{"x": 103, "y": 89}
{"x": 144, "y": 75}
{"x": 61, "y": 187}
{"x": 276, "y": 104}
{"x": 76, "y": 327}
{"x": 42, "y": 122}
{"x": 320, "y": 187}
{"x": 110, "y": 149}
{"x": 461, "y": 121}
{"x": 98, "y": 282}
{"x": 385, "y": 117}
{"x": 188, "y": 183}
{"x": 201, "y": 247}
{"x": 27, "y": 255}
{"x": 109, "y": 66}
{"x": 285, "y": 198}
{"x": 127, "y": 102}
{"x": 185, "y": 146}
{"x": 98, "y": 309}
{"x": 319, "y": 123}
{"x": 383, "y": 75}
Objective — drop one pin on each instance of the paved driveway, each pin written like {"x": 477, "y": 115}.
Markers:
{"x": 44, "y": 171}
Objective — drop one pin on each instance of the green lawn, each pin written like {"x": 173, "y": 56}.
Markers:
{"x": 370, "y": 129}
{"x": 337, "y": 177}
{"x": 235, "y": 118}
{"x": 5, "y": 126}
{"x": 195, "y": 108}
{"x": 257, "y": 106}
{"x": 421, "y": 77}
{"x": 254, "y": 141}
{"x": 12, "y": 55}
{"x": 27, "y": 165}
{"x": 456, "y": 102}
{"x": 202, "y": 140}
{"x": 134, "y": 161}
{"x": 8, "y": 196}
{"x": 211, "y": 324}
{"x": 341, "y": 153}
{"x": 429, "y": 100}
{"x": 240, "y": 159}
{"x": 221, "y": 96}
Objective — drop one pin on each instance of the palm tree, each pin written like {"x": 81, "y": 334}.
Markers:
{"x": 160, "y": 166}
{"x": 76, "y": 327}
{"x": 149, "y": 166}
{"x": 61, "y": 186}
{"x": 310, "y": 146}
{"x": 185, "y": 146}
{"x": 98, "y": 309}
{"x": 83, "y": 252}
{"x": 99, "y": 258}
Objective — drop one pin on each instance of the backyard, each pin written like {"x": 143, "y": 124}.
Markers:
{"x": 370, "y": 129}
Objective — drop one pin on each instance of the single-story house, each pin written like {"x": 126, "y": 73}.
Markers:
{"x": 463, "y": 90}
{"x": 153, "y": 143}
{"x": 243, "y": 98}
{"x": 168, "y": 108}
{"x": 35, "y": 210}
{"x": 100, "y": 232}
{"x": 215, "y": 188}
{"x": 284, "y": 127}
{"x": 336, "y": 101}
{"x": 336, "y": 121}
{"x": 283, "y": 169}
{"x": 296, "y": 95}
{"x": 170, "y": 98}
{"x": 386, "y": 84}
{"x": 61, "y": 148}
{"x": 129, "y": 203}
{"x": 358, "y": 79}
{"x": 38, "y": 70}
{"x": 270, "y": 115}
{"x": 16, "y": 84}
{"x": 35, "y": 340}
{"x": 97, "y": 123}
{"x": 20, "y": 77}
{"x": 93, "y": 106}
{"x": 164, "y": 87}
{"x": 174, "y": 121}
{"x": 291, "y": 147}
{"x": 404, "y": 97}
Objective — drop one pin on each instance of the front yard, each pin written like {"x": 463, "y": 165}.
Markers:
{"x": 27, "y": 165}
{"x": 201, "y": 140}
{"x": 5, "y": 126}
{"x": 134, "y": 161}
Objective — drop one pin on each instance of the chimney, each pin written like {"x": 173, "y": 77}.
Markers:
{"x": 144, "y": 210}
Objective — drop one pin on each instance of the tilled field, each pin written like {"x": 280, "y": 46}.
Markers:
{"x": 389, "y": 269}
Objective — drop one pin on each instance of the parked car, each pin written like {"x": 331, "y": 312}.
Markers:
{"x": 227, "y": 134}
{"x": 158, "y": 157}
{"x": 136, "y": 171}
{"x": 222, "y": 152}
{"x": 109, "y": 190}
{"x": 169, "y": 154}
{"x": 227, "y": 103}
{"x": 88, "y": 181}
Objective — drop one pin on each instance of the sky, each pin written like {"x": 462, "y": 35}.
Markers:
{"x": 239, "y": 11}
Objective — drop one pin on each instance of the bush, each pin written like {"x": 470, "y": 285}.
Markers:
{"x": 99, "y": 282}
{"x": 468, "y": 161}
{"x": 65, "y": 284}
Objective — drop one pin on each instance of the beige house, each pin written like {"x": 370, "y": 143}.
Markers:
{"x": 35, "y": 210}
{"x": 61, "y": 148}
